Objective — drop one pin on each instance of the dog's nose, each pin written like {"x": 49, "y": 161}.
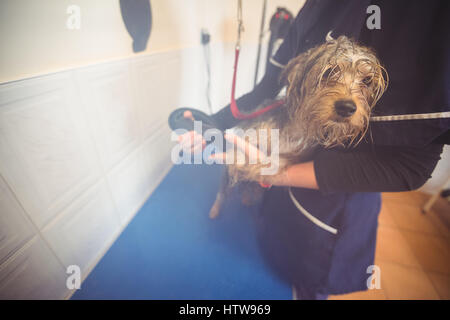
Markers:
{"x": 345, "y": 108}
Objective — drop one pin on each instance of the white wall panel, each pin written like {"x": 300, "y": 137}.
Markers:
{"x": 15, "y": 228}
{"x": 34, "y": 273}
{"x": 193, "y": 78}
{"x": 85, "y": 228}
{"x": 80, "y": 152}
{"x": 45, "y": 152}
{"x": 108, "y": 99}
{"x": 156, "y": 81}
{"x": 173, "y": 82}
{"x": 157, "y": 151}
{"x": 129, "y": 185}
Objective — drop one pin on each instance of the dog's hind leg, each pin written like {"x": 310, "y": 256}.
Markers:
{"x": 221, "y": 195}
{"x": 251, "y": 193}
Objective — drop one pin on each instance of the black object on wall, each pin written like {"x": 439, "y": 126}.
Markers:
{"x": 137, "y": 16}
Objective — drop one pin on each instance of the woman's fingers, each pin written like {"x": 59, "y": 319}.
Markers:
{"x": 192, "y": 141}
{"x": 217, "y": 156}
{"x": 196, "y": 143}
{"x": 249, "y": 149}
{"x": 188, "y": 114}
{"x": 190, "y": 137}
{"x": 198, "y": 147}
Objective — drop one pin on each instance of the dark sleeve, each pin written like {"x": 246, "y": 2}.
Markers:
{"x": 375, "y": 168}
{"x": 291, "y": 45}
{"x": 267, "y": 88}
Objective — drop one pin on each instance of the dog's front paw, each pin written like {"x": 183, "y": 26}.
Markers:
{"x": 214, "y": 212}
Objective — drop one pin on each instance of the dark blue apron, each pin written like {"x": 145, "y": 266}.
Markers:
{"x": 411, "y": 46}
{"x": 310, "y": 257}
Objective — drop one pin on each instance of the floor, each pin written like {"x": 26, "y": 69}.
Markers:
{"x": 413, "y": 250}
{"x": 172, "y": 250}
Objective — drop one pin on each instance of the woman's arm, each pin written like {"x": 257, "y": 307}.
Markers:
{"x": 301, "y": 175}
{"x": 267, "y": 88}
{"x": 369, "y": 169}
{"x": 366, "y": 168}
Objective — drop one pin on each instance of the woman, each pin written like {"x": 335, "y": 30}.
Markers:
{"x": 341, "y": 188}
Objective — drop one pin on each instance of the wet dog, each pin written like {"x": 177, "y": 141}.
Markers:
{"x": 330, "y": 92}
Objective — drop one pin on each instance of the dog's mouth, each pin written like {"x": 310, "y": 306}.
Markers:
{"x": 340, "y": 119}
{"x": 338, "y": 132}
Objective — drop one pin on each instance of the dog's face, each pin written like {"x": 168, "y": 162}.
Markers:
{"x": 331, "y": 90}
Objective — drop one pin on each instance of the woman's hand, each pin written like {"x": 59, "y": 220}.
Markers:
{"x": 252, "y": 154}
{"x": 300, "y": 175}
{"x": 191, "y": 139}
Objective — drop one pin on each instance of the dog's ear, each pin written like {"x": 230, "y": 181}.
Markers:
{"x": 294, "y": 72}
{"x": 381, "y": 83}
{"x": 293, "y": 76}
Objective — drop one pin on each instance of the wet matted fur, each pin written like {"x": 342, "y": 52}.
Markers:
{"x": 330, "y": 92}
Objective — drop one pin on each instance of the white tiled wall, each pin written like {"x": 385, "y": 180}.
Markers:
{"x": 80, "y": 152}
{"x": 46, "y": 154}
{"x": 33, "y": 273}
{"x": 15, "y": 227}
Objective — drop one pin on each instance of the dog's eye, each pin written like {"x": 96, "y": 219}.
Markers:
{"x": 330, "y": 73}
{"x": 367, "y": 80}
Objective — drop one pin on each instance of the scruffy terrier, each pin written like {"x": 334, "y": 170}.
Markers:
{"x": 330, "y": 92}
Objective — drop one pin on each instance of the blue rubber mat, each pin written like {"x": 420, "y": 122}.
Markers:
{"x": 172, "y": 250}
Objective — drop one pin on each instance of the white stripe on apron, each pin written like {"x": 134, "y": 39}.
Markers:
{"x": 276, "y": 63}
{"x": 418, "y": 116}
{"x": 310, "y": 216}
